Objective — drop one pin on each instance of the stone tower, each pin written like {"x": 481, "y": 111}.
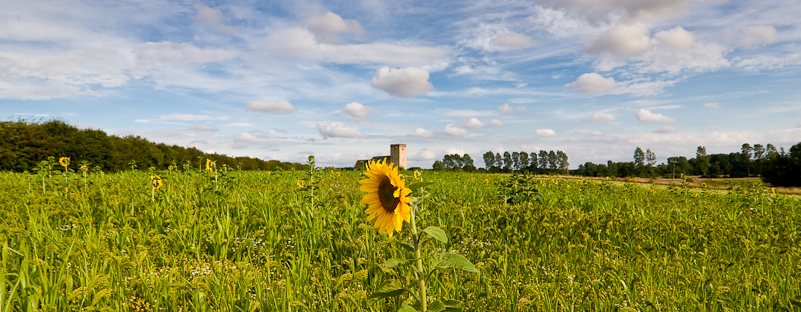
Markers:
{"x": 397, "y": 155}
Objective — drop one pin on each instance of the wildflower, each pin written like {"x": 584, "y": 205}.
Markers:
{"x": 64, "y": 161}
{"x": 386, "y": 197}
{"x": 84, "y": 168}
{"x": 703, "y": 185}
{"x": 208, "y": 165}
{"x": 300, "y": 183}
{"x": 486, "y": 181}
{"x": 155, "y": 182}
{"x": 170, "y": 168}
{"x": 66, "y": 189}
{"x": 773, "y": 189}
{"x": 269, "y": 173}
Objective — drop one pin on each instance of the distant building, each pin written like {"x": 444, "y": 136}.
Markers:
{"x": 397, "y": 156}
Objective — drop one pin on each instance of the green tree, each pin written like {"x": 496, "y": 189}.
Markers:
{"x": 701, "y": 160}
{"x": 489, "y": 160}
{"x": 507, "y": 161}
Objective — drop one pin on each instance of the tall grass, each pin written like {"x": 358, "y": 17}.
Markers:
{"x": 253, "y": 241}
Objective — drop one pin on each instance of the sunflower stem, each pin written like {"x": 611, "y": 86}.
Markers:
{"x": 421, "y": 278}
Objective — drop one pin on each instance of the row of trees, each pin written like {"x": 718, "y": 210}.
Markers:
{"x": 542, "y": 162}
{"x": 774, "y": 165}
{"x": 23, "y": 144}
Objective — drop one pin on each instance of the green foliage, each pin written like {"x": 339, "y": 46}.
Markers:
{"x": 518, "y": 189}
{"x": 25, "y": 144}
{"x": 261, "y": 246}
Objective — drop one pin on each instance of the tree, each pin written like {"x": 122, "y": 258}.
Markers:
{"x": 533, "y": 162}
{"x": 701, "y": 160}
{"x": 770, "y": 151}
{"x": 746, "y": 150}
{"x": 516, "y": 161}
{"x": 507, "y": 161}
{"x": 759, "y": 151}
{"x": 523, "y": 161}
{"x": 553, "y": 162}
{"x": 563, "y": 163}
{"x": 489, "y": 160}
{"x": 650, "y": 157}
{"x": 498, "y": 160}
{"x": 439, "y": 166}
{"x": 467, "y": 163}
{"x": 544, "y": 160}
{"x": 639, "y": 157}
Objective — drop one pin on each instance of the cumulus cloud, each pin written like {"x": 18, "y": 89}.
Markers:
{"x": 275, "y": 107}
{"x": 591, "y": 83}
{"x": 677, "y": 38}
{"x": 298, "y": 43}
{"x": 665, "y": 130}
{"x": 497, "y": 123}
{"x": 474, "y": 123}
{"x": 512, "y": 41}
{"x": 420, "y": 132}
{"x": 356, "y": 111}
{"x": 714, "y": 105}
{"x": 647, "y": 117}
{"x": 453, "y": 150}
{"x": 453, "y": 130}
{"x": 207, "y": 15}
{"x": 203, "y": 128}
{"x": 600, "y": 117}
{"x": 754, "y": 36}
{"x": 622, "y": 40}
{"x": 337, "y": 130}
{"x": 406, "y": 82}
{"x": 602, "y": 10}
{"x": 509, "y": 109}
{"x": 192, "y": 117}
{"x": 327, "y": 27}
{"x": 245, "y": 137}
{"x": 545, "y": 133}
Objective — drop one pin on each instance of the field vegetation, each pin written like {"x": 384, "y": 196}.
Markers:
{"x": 298, "y": 241}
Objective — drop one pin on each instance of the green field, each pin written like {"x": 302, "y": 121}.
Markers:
{"x": 257, "y": 241}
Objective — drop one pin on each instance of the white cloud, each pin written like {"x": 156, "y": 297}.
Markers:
{"x": 622, "y": 40}
{"x": 420, "y": 132}
{"x": 191, "y": 117}
{"x": 298, "y": 43}
{"x": 327, "y": 27}
{"x": 677, "y": 38}
{"x": 602, "y": 10}
{"x": 647, "y": 117}
{"x": 545, "y": 133}
{"x": 474, "y": 123}
{"x": 768, "y": 62}
{"x": 497, "y": 123}
{"x": 237, "y": 125}
{"x": 509, "y": 109}
{"x": 207, "y": 15}
{"x": 453, "y": 130}
{"x": 157, "y": 54}
{"x": 245, "y": 137}
{"x": 356, "y": 111}
{"x": 337, "y": 130}
{"x": 665, "y": 130}
{"x": 203, "y": 128}
{"x": 714, "y": 105}
{"x": 753, "y": 36}
{"x": 453, "y": 150}
{"x": 600, "y": 117}
{"x": 512, "y": 41}
{"x": 275, "y": 107}
{"x": 591, "y": 83}
{"x": 406, "y": 82}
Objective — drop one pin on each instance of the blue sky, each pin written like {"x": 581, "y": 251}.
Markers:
{"x": 344, "y": 80}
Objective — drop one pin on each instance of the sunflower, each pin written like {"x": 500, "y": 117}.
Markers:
{"x": 64, "y": 161}
{"x": 155, "y": 182}
{"x": 386, "y": 197}
{"x": 208, "y": 164}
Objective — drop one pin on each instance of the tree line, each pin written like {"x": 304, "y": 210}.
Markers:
{"x": 542, "y": 162}
{"x": 24, "y": 144}
{"x": 775, "y": 166}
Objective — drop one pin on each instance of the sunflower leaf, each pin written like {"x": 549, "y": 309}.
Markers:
{"x": 415, "y": 186}
{"x": 390, "y": 289}
{"x": 436, "y": 306}
{"x": 408, "y": 246}
{"x": 437, "y": 233}
{"x": 394, "y": 262}
{"x": 449, "y": 260}
{"x": 407, "y": 309}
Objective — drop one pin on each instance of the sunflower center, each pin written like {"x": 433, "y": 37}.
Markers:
{"x": 386, "y": 193}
